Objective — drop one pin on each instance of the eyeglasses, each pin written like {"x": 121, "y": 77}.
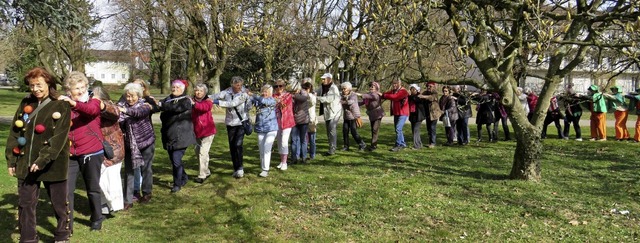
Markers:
{"x": 278, "y": 86}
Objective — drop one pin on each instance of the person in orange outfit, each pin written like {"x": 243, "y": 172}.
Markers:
{"x": 621, "y": 113}
{"x": 598, "y": 114}
{"x": 635, "y": 99}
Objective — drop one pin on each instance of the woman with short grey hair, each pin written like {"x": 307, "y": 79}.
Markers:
{"x": 351, "y": 110}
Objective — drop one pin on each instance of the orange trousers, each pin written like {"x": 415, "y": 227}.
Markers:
{"x": 621, "y": 124}
{"x": 637, "y": 135}
{"x": 598, "y": 125}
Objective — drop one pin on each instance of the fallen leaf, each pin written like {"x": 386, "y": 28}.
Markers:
{"x": 574, "y": 222}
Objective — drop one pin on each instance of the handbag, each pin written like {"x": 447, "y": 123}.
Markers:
{"x": 246, "y": 124}
{"x": 446, "y": 120}
{"x": 358, "y": 122}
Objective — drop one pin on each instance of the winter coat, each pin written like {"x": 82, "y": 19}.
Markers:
{"x": 177, "y": 128}
{"x": 499, "y": 109}
{"x": 301, "y": 107}
{"x": 431, "y": 105}
{"x": 617, "y": 101}
{"x": 532, "y": 100}
{"x": 464, "y": 106}
{"x": 598, "y": 103}
{"x": 284, "y": 110}
{"x": 416, "y": 109}
{"x": 350, "y": 106}
{"x": 266, "y": 120}
{"x": 485, "y": 109}
{"x": 48, "y": 149}
{"x": 111, "y": 132}
{"x": 313, "y": 118}
{"x": 203, "y": 124}
{"x": 234, "y": 102}
{"x": 373, "y": 103}
{"x": 137, "y": 119}
{"x": 448, "y": 105}
{"x": 85, "y": 134}
{"x": 399, "y": 102}
{"x": 330, "y": 102}
{"x": 137, "y": 129}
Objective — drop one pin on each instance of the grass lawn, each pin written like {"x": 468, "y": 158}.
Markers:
{"x": 442, "y": 194}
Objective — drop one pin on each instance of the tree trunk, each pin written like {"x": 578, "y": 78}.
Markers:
{"x": 526, "y": 160}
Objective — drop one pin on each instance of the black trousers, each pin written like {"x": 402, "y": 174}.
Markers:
{"x": 235, "y": 135}
{"x": 350, "y": 126}
{"x": 28, "y": 192}
{"x": 89, "y": 167}
{"x": 568, "y": 119}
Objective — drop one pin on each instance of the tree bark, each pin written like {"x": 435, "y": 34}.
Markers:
{"x": 526, "y": 160}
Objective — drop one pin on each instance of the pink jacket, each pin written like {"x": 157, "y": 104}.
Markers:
{"x": 203, "y": 125}
{"x": 85, "y": 134}
{"x": 284, "y": 110}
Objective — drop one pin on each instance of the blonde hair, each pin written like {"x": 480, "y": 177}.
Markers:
{"x": 73, "y": 78}
{"x": 145, "y": 87}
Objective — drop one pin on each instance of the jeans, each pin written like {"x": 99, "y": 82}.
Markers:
{"x": 299, "y": 141}
{"x": 431, "y": 131}
{"x": 462, "y": 128}
{"x": 235, "y": 135}
{"x": 311, "y": 138}
{"x": 398, "y": 122}
{"x": 179, "y": 175}
{"x": 145, "y": 170}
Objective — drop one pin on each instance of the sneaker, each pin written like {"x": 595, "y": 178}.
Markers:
{"x": 397, "y": 148}
{"x": 592, "y": 139}
{"x": 199, "y": 180}
{"x": 602, "y": 140}
{"x": 284, "y": 166}
{"x": 280, "y": 165}
{"x": 579, "y": 139}
{"x": 567, "y": 138}
{"x": 240, "y": 174}
{"x": 345, "y": 149}
{"x": 264, "y": 173}
{"x": 431, "y": 146}
{"x": 362, "y": 147}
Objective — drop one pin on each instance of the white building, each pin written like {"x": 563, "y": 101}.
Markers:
{"x": 110, "y": 67}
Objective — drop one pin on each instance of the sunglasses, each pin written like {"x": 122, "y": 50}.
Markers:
{"x": 278, "y": 86}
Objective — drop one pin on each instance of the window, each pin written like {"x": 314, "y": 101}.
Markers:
{"x": 113, "y": 76}
{"x": 102, "y": 76}
{"x": 124, "y": 76}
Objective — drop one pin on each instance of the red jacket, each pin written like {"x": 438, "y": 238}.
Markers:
{"x": 284, "y": 111}
{"x": 399, "y": 101}
{"x": 85, "y": 134}
{"x": 203, "y": 125}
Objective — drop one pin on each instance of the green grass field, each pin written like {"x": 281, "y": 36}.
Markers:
{"x": 442, "y": 194}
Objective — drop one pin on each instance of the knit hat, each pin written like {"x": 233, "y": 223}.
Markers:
{"x": 376, "y": 85}
{"x": 181, "y": 82}
{"x": 430, "y": 83}
{"x": 415, "y": 86}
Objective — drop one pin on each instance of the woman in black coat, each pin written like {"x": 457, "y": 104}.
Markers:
{"x": 177, "y": 130}
{"x": 416, "y": 114}
{"x": 485, "y": 113}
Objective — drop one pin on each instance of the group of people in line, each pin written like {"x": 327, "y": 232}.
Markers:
{"x": 54, "y": 137}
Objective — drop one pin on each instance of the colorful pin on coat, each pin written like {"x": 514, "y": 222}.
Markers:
{"x": 22, "y": 141}
{"x": 19, "y": 123}
{"x": 56, "y": 115}
{"x": 16, "y": 150}
{"x": 28, "y": 109}
{"x": 40, "y": 128}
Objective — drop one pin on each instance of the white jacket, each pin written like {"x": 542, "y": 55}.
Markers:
{"x": 230, "y": 100}
{"x": 331, "y": 102}
{"x": 313, "y": 119}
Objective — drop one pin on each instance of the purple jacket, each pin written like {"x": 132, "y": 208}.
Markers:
{"x": 136, "y": 121}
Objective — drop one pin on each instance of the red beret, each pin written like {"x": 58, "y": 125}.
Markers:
{"x": 431, "y": 83}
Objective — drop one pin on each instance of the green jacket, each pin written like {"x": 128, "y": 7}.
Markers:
{"x": 48, "y": 149}
{"x": 617, "y": 102}
{"x": 599, "y": 103}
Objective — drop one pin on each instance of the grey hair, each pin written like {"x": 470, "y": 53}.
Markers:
{"x": 101, "y": 93}
{"x": 133, "y": 87}
{"x": 236, "y": 79}
{"x": 267, "y": 87}
{"x": 346, "y": 85}
{"x": 74, "y": 78}
{"x": 306, "y": 80}
{"x": 201, "y": 86}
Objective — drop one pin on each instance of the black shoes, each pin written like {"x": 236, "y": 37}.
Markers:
{"x": 97, "y": 225}
{"x": 175, "y": 189}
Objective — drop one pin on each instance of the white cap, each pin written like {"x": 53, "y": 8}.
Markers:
{"x": 327, "y": 75}
{"x": 415, "y": 86}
